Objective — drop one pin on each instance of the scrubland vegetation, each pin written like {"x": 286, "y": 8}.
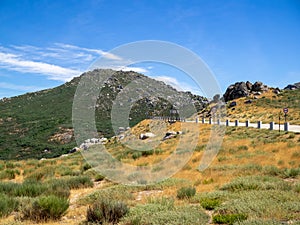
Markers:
{"x": 255, "y": 179}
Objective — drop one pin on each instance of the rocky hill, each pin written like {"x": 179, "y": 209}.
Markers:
{"x": 39, "y": 124}
{"x": 244, "y": 89}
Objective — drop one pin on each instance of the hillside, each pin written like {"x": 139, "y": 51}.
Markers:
{"x": 39, "y": 125}
{"x": 255, "y": 178}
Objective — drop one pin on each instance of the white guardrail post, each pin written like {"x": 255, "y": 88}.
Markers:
{"x": 286, "y": 126}
{"x": 259, "y": 124}
{"x": 271, "y": 125}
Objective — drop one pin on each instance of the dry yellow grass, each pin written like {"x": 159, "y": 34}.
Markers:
{"x": 255, "y": 112}
{"x": 232, "y": 161}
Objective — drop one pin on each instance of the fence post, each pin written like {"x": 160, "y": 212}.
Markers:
{"x": 247, "y": 123}
{"x": 271, "y": 125}
{"x": 203, "y": 120}
{"x": 210, "y": 120}
{"x": 219, "y": 121}
{"x": 259, "y": 124}
{"x": 286, "y": 126}
{"x": 236, "y": 123}
{"x": 227, "y": 123}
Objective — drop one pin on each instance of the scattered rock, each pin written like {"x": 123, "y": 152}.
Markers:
{"x": 92, "y": 141}
{"x": 171, "y": 134}
{"x": 249, "y": 101}
{"x": 276, "y": 91}
{"x": 232, "y": 104}
{"x": 257, "y": 93}
{"x": 146, "y": 135}
{"x": 73, "y": 150}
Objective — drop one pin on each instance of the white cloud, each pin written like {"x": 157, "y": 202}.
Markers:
{"x": 180, "y": 86}
{"x": 60, "y": 61}
{"x": 15, "y": 62}
{"x": 97, "y": 51}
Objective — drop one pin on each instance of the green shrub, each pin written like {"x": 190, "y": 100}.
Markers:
{"x": 229, "y": 218}
{"x": 9, "y": 165}
{"x": 248, "y": 183}
{"x": 147, "y": 153}
{"x": 99, "y": 177}
{"x": 79, "y": 182}
{"x": 7, "y": 174}
{"x": 186, "y": 192}
{"x": 30, "y": 189}
{"x": 86, "y": 167}
{"x": 258, "y": 222}
{"x": 46, "y": 208}
{"x": 243, "y": 147}
{"x": 291, "y": 173}
{"x": 158, "y": 213}
{"x": 58, "y": 188}
{"x": 7, "y": 205}
{"x": 106, "y": 211}
{"x": 210, "y": 204}
{"x": 8, "y": 188}
{"x": 136, "y": 155}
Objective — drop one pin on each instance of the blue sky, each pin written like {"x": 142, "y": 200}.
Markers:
{"x": 45, "y": 43}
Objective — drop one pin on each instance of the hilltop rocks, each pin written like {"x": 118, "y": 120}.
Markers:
{"x": 293, "y": 86}
{"x": 259, "y": 87}
{"x": 242, "y": 89}
{"x": 236, "y": 90}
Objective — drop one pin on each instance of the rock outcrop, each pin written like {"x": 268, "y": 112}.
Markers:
{"x": 292, "y": 86}
{"x": 242, "y": 89}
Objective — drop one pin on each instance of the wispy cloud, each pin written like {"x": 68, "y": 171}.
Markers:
{"x": 59, "y": 61}
{"x": 97, "y": 51}
{"x": 54, "y": 72}
{"x": 180, "y": 86}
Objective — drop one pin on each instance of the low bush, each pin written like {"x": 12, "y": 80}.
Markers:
{"x": 256, "y": 183}
{"x": 30, "y": 189}
{"x": 158, "y": 213}
{"x": 72, "y": 182}
{"x": 46, "y": 208}
{"x": 210, "y": 204}
{"x": 258, "y": 222}
{"x": 86, "y": 167}
{"x": 106, "y": 211}
{"x": 7, "y": 205}
{"x": 229, "y": 218}
{"x": 99, "y": 177}
{"x": 79, "y": 182}
{"x": 8, "y": 174}
{"x": 186, "y": 192}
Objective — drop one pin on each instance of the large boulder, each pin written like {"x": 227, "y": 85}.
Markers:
{"x": 236, "y": 90}
{"x": 259, "y": 87}
{"x": 242, "y": 89}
